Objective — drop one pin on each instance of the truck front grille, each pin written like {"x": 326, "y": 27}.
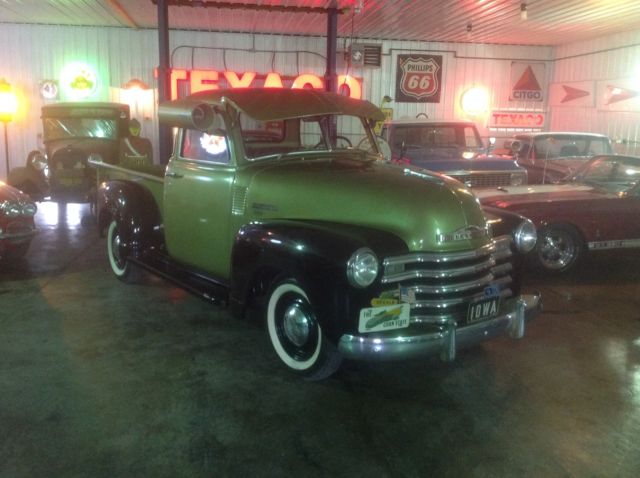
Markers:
{"x": 441, "y": 286}
{"x": 484, "y": 180}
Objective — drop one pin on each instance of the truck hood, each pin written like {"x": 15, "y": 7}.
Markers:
{"x": 522, "y": 195}
{"x": 414, "y": 204}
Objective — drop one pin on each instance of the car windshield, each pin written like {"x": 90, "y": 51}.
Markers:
{"x": 301, "y": 135}
{"x": 616, "y": 174}
{"x": 63, "y": 128}
{"x": 558, "y": 147}
{"x": 435, "y": 136}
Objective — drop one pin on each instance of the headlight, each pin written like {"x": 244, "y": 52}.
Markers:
{"x": 517, "y": 179}
{"x": 10, "y": 209}
{"x": 362, "y": 268}
{"x": 525, "y": 236}
{"x": 39, "y": 161}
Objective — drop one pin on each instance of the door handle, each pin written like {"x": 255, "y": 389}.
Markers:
{"x": 174, "y": 175}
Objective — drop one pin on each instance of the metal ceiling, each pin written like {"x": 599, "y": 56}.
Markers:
{"x": 548, "y": 22}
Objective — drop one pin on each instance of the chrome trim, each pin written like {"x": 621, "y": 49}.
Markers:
{"x": 441, "y": 257}
{"x": 18, "y": 235}
{"x": 113, "y": 167}
{"x": 439, "y": 274}
{"x": 442, "y": 303}
{"x": 447, "y": 340}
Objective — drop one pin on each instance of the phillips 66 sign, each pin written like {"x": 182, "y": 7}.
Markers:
{"x": 418, "y": 78}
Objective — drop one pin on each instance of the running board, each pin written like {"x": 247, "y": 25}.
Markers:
{"x": 206, "y": 287}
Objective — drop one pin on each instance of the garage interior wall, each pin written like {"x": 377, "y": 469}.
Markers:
{"x": 33, "y": 53}
{"x": 601, "y": 65}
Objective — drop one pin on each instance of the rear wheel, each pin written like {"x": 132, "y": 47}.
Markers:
{"x": 559, "y": 248}
{"x": 296, "y": 334}
{"x": 123, "y": 269}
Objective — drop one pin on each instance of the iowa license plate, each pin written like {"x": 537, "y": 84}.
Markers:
{"x": 483, "y": 309}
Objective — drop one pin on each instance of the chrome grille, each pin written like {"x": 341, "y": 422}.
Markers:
{"x": 442, "y": 285}
{"x": 484, "y": 180}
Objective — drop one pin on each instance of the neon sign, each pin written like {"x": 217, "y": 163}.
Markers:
{"x": 201, "y": 80}
{"x": 79, "y": 81}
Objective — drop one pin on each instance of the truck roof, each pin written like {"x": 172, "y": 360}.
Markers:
{"x": 428, "y": 121}
{"x": 264, "y": 104}
{"x": 86, "y": 109}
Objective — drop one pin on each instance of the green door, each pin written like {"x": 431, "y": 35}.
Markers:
{"x": 197, "y": 203}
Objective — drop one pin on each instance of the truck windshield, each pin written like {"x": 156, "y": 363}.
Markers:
{"x": 63, "y": 128}
{"x": 301, "y": 135}
{"x": 431, "y": 137}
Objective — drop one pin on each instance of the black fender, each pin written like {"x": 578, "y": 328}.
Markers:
{"x": 135, "y": 210}
{"x": 315, "y": 254}
{"x": 30, "y": 181}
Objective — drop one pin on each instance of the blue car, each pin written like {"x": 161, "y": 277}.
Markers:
{"x": 453, "y": 148}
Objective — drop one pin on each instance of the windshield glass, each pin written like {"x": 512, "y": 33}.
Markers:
{"x": 613, "y": 173}
{"x": 301, "y": 135}
{"x": 447, "y": 140}
{"x": 552, "y": 147}
{"x": 62, "y": 128}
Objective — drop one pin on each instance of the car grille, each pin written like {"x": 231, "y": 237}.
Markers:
{"x": 484, "y": 180}
{"x": 441, "y": 286}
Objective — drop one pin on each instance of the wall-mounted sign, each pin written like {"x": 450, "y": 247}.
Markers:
{"x": 576, "y": 93}
{"x": 184, "y": 82}
{"x": 528, "y": 81}
{"x": 79, "y": 81}
{"x": 517, "y": 119}
{"x": 49, "y": 89}
{"x": 418, "y": 78}
{"x": 619, "y": 95}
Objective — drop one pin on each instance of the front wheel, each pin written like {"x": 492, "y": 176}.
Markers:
{"x": 559, "y": 247}
{"x": 296, "y": 335}
{"x": 123, "y": 269}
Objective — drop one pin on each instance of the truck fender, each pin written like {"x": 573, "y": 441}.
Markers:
{"x": 316, "y": 255}
{"x": 29, "y": 181}
{"x": 136, "y": 211}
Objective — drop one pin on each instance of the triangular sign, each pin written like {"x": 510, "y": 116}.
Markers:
{"x": 528, "y": 81}
{"x": 573, "y": 93}
{"x": 620, "y": 94}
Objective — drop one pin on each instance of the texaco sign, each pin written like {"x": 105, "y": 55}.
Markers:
{"x": 418, "y": 78}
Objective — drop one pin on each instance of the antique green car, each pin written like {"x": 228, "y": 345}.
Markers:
{"x": 279, "y": 201}
{"x": 71, "y": 132}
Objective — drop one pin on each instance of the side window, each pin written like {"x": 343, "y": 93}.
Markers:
{"x": 471, "y": 139}
{"x": 201, "y": 146}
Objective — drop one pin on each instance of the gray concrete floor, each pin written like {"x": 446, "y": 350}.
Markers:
{"x": 101, "y": 379}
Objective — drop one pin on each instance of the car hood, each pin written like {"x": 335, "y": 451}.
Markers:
{"x": 565, "y": 166}
{"x": 480, "y": 163}
{"x": 520, "y": 195}
{"x": 9, "y": 193}
{"x": 415, "y": 205}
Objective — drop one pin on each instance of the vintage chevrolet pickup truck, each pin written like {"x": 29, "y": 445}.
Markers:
{"x": 279, "y": 201}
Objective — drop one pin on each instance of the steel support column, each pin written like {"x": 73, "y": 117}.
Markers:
{"x": 331, "y": 77}
{"x": 164, "y": 79}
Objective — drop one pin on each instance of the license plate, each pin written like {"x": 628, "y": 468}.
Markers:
{"x": 483, "y": 309}
{"x": 377, "y": 319}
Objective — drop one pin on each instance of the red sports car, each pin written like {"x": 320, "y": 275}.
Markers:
{"x": 597, "y": 208}
{"x": 17, "y": 226}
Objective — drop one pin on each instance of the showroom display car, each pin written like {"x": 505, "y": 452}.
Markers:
{"x": 17, "y": 226}
{"x": 595, "y": 209}
{"x": 451, "y": 147}
{"x": 71, "y": 132}
{"x": 552, "y": 156}
{"x": 266, "y": 208}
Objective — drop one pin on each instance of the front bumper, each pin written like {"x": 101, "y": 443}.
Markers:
{"x": 447, "y": 340}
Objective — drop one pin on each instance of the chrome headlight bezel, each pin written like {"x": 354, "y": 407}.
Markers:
{"x": 10, "y": 209}
{"x": 525, "y": 236}
{"x": 362, "y": 268}
{"x": 517, "y": 179}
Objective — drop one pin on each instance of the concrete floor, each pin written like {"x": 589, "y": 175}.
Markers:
{"x": 101, "y": 379}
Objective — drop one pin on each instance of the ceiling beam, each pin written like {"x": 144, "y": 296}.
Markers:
{"x": 251, "y": 6}
{"x": 122, "y": 13}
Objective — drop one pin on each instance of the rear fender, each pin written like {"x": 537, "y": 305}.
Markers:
{"x": 316, "y": 255}
{"x": 136, "y": 212}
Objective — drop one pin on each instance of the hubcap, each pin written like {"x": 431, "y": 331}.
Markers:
{"x": 296, "y": 325}
{"x": 116, "y": 245}
{"x": 557, "y": 252}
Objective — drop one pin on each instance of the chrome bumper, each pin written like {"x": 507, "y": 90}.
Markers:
{"x": 445, "y": 342}
{"x": 17, "y": 237}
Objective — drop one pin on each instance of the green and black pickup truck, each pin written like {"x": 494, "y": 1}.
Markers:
{"x": 279, "y": 201}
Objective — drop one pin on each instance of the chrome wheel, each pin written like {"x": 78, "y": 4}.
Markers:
{"x": 116, "y": 250}
{"x": 559, "y": 248}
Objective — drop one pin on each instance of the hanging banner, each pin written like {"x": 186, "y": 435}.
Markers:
{"x": 418, "y": 78}
{"x": 526, "y": 81}
{"x": 578, "y": 93}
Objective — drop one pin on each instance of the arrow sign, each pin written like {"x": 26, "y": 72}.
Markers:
{"x": 620, "y": 94}
{"x": 573, "y": 93}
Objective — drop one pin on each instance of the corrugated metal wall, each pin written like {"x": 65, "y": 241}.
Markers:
{"x": 33, "y": 53}
{"x": 598, "y": 66}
